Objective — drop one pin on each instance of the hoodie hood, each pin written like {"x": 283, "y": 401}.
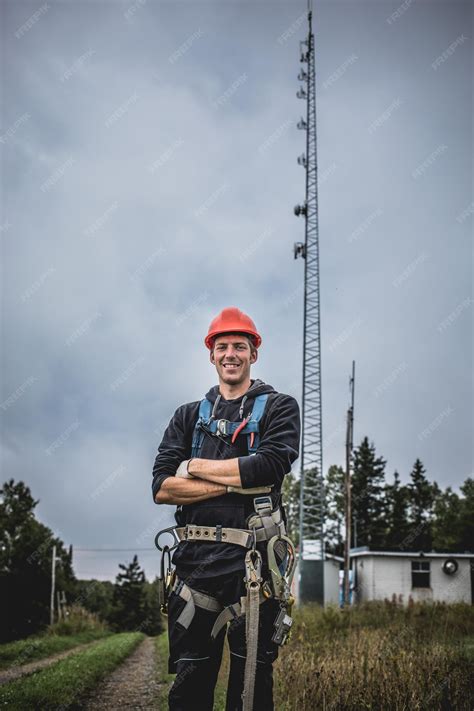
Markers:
{"x": 257, "y": 387}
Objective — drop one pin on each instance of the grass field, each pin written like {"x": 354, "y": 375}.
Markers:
{"x": 379, "y": 656}
{"x": 62, "y": 684}
{"x": 162, "y": 660}
{"x": 40, "y": 646}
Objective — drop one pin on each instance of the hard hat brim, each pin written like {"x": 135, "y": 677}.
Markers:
{"x": 210, "y": 338}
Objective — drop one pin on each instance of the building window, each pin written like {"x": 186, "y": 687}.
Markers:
{"x": 420, "y": 574}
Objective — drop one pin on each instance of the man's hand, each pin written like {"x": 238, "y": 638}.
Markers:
{"x": 182, "y": 471}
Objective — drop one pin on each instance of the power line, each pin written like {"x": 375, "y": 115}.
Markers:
{"x": 114, "y": 550}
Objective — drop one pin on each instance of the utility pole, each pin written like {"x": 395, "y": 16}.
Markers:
{"x": 311, "y": 562}
{"x": 53, "y": 584}
{"x": 347, "y": 481}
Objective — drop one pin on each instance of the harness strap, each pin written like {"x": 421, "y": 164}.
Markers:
{"x": 237, "y": 536}
{"x": 231, "y": 612}
{"x": 227, "y": 427}
{"x": 258, "y": 408}
{"x": 253, "y": 565}
{"x": 198, "y": 435}
{"x": 194, "y": 599}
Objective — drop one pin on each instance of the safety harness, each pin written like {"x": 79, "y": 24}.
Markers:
{"x": 265, "y": 524}
{"x": 249, "y": 425}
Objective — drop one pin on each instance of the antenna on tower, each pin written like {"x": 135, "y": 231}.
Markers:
{"x": 311, "y": 546}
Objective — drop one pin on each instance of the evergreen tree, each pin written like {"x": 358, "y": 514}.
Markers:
{"x": 129, "y": 597}
{"x": 97, "y": 596}
{"x": 396, "y": 497}
{"x": 368, "y": 502}
{"x": 312, "y": 504}
{"x": 422, "y": 495}
{"x": 446, "y": 525}
{"x": 335, "y": 510}
{"x": 152, "y": 621}
{"x": 453, "y": 523}
{"x": 291, "y": 501}
{"x": 25, "y": 564}
{"x": 466, "y": 542}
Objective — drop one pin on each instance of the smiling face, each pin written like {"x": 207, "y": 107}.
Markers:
{"x": 233, "y": 355}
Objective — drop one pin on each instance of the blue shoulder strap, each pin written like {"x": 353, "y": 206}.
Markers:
{"x": 205, "y": 409}
{"x": 257, "y": 413}
{"x": 259, "y": 407}
{"x": 198, "y": 435}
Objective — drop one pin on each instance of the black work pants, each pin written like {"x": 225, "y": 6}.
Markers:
{"x": 195, "y": 658}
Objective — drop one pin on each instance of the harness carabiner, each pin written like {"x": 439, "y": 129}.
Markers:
{"x": 253, "y": 568}
{"x": 172, "y": 530}
{"x": 166, "y": 580}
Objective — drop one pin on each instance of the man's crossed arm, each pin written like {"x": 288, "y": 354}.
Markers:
{"x": 207, "y": 478}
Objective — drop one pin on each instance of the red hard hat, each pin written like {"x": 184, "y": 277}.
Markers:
{"x": 232, "y": 320}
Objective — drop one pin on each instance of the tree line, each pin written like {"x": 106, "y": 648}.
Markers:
{"x": 131, "y": 603}
{"x": 388, "y": 515}
{"x": 417, "y": 516}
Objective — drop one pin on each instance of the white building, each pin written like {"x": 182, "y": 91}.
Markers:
{"x": 443, "y": 577}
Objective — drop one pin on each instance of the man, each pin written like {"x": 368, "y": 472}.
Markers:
{"x": 245, "y": 447}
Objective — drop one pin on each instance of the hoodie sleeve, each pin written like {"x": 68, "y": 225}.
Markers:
{"x": 174, "y": 448}
{"x": 279, "y": 446}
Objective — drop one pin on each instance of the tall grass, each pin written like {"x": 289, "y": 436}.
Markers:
{"x": 377, "y": 656}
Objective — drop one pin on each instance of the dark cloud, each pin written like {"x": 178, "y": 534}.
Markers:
{"x": 149, "y": 173}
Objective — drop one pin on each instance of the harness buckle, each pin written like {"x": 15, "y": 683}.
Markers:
{"x": 263, "y": 505}
{"x": 222, "y": 427}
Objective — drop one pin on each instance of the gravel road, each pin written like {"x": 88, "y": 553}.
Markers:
{"x": 133, "y": 685}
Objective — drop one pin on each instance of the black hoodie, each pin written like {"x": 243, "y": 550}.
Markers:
{"x": 278, "y": 449}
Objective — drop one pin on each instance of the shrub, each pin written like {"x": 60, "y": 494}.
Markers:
{"x": 77, "y": 620}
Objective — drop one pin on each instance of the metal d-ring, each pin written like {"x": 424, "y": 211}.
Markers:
{"x": 172, "y": 530}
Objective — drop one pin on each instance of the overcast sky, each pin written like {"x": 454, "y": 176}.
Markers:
{"x": 148, "y": 153}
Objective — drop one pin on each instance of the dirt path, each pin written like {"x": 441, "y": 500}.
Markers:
{"x": 16, "y": 672}
{"x": 133, "y": 685}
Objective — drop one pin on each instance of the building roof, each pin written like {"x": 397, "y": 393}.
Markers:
{"x": 355, "y": 553}
{"x": 330, "y": 556}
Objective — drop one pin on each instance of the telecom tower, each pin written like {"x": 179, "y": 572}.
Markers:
{"x": 312, "y": 482}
